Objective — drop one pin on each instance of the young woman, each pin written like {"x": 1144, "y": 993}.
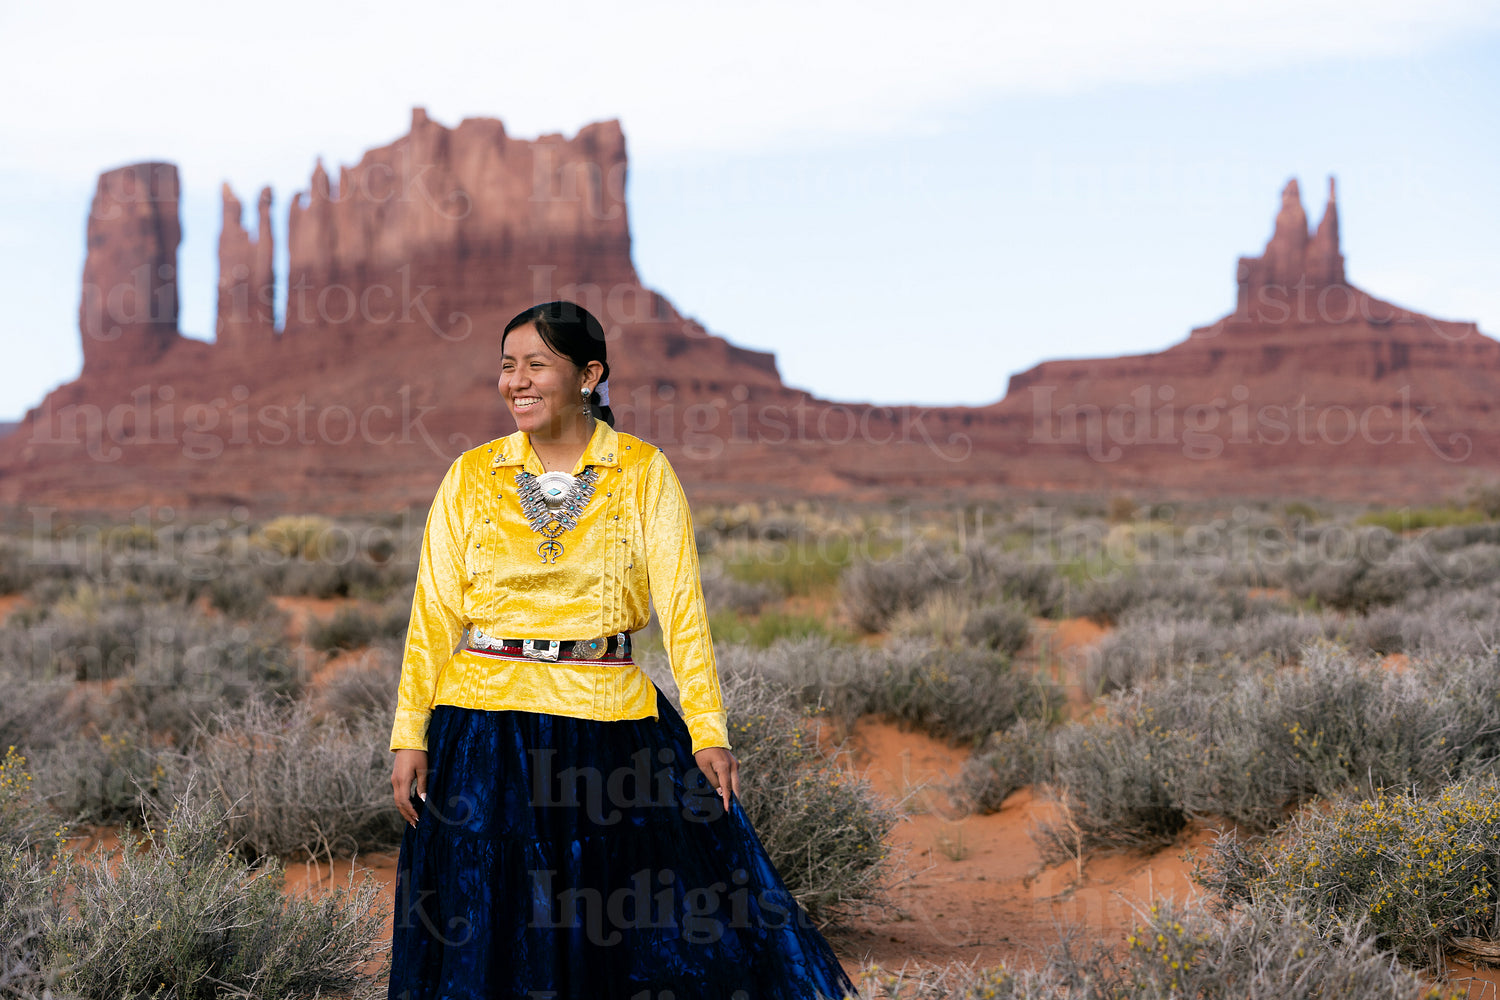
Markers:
{"x": 569, "y": 834}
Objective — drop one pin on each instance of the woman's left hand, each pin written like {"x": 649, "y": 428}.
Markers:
{"x": 722, "y": 770}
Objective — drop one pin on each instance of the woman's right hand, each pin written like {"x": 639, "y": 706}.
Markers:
{"x": 411, "y": 766}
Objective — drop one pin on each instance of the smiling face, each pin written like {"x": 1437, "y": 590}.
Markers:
{"x": 541, "y": 387}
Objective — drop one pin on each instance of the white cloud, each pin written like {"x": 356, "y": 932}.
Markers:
{"x": 204, "y": 83}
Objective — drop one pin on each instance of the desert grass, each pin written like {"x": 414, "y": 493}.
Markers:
{"x": 724, "y": 592}
{"x": 771, "y": 626}
{"x": 795, "y": 566}
{"x": 1407, "y": 519}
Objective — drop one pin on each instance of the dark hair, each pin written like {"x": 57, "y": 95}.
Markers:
{"x": 574, "y": 333}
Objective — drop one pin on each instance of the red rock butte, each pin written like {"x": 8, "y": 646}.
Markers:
{"x": 402, "y": 274}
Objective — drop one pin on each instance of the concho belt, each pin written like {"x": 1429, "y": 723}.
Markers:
{"x": 605, "y": 648}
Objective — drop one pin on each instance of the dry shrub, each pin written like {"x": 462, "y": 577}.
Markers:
{"x": 1116, "y": 783}
{"x": 1007, "y": 762}
{"x": 112, "y": 778}
{"x": 363, "y": 686}
{"x": 290, "y": 783}
{"x": 1177, "y": 952}
{"x": 172, "y": 665}
{"x": 1248, "y": 745}
{"x": 181, "y": 917}
{"x": 872, "y": 593}
{"x": 958, "y": 620}
{"x": 352, "y": 628}
{"x": 23, "y": 824}
{"x": 723, "y": 592}
{"x": 1421, "y": 870}
{"x": 1254, "y": 953}
{"x": 824, "y": 828}
{"x": 1148, "y": 647}
{"x": 27, "y": 906}
{"x": 961, "y": 695}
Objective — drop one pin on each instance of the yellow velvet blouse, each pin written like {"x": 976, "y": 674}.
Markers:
{"x": 480, "y": 567}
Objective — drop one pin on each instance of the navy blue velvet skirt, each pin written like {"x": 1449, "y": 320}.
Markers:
{"x": 569, "y": 859}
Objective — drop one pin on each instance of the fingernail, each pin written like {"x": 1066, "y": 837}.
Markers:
{"x": 422, "y": 796}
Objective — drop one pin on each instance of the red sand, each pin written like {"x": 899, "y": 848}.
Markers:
{"x": 975, "y": 888}
{"x": 8, "y": 605}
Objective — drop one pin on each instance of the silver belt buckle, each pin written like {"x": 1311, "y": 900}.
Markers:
{"x": 541, "y": 649}
{"x": 478, "y": 640}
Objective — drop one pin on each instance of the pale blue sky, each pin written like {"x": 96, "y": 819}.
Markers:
{"x": 903, "y": 206}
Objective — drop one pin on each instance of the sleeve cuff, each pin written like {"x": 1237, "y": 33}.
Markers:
{"x": 410, "y": 730}
{"x": 709, "y": 729}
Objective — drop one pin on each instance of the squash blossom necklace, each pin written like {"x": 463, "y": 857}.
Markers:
{"x": 552, "y": 503}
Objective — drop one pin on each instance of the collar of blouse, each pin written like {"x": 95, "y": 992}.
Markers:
{"x": 515, "y": 450}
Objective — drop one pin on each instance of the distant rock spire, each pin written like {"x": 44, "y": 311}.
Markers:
{"x": 264, "y": 273}
{"x": 1293, "y": 265}
{"x": 1325, "y": 264}
{"x": 247, "y": 281}
{"x": 312, "y": 246}
{"x": 423, "y": 235}
{"x": 128, "y": 311}
{"x": 1286, "y": 254}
